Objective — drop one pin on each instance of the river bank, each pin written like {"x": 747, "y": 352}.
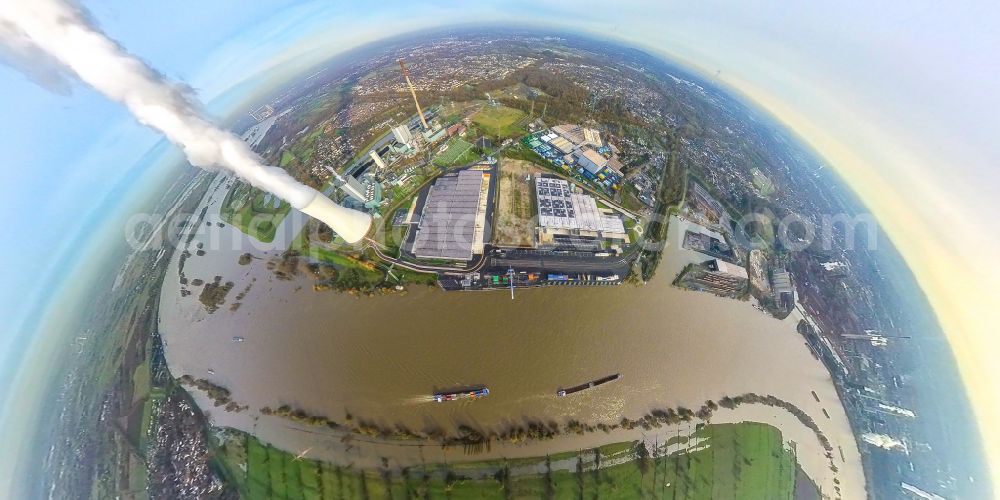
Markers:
{"x": 381, "y": 357}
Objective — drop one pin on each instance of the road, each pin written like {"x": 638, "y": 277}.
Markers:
{"x": 473, "y": 267}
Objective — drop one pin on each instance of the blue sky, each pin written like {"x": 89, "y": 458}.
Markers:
{"x": 899, "y": 98}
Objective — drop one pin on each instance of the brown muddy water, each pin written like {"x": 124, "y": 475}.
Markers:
{"x": 381, "y": 358}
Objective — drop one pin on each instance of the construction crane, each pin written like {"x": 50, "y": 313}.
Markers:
{"x": 413, "y": 91}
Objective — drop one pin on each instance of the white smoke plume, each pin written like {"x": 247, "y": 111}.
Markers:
{"x": 64, "y": 33}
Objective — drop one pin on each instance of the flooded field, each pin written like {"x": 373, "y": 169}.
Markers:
{"x": 381, "y": 358}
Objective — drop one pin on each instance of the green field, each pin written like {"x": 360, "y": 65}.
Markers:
{"x": 357, "y": 271}
{"x": 762, "y": 183}
{"x": 499, "y": 122}
{"x": 459, "y": 152}
{"x": 360, "y": 273}
{"x": 253, "y": 211}
{"x": 746, "y": 460}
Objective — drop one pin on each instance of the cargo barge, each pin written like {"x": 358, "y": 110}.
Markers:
{"x": 470, "y": 393}
{"x": 588, "y": 385}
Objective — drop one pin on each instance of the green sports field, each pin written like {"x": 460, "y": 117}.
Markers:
{"x": 499, "y": 122}
{"x": 762, "y": 183}
{"x": 459, "y": 152}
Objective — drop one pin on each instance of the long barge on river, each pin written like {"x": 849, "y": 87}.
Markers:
{"x": 588, "y": 385}
{"x": 469, "y": 392}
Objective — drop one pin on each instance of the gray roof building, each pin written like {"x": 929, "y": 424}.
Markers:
{"x": 448, "y": 221}
{"x": 591, "y": 160}
{"x": 782, "y": 282}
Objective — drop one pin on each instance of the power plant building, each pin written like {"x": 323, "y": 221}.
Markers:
{"x": 453, "y": 219}
{"x": 402, "y": 134}
{"x": 377, "y": 159}
{"x": 350, "y": 186}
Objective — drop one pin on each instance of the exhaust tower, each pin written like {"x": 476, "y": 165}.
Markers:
{"x": 413, "y": 92}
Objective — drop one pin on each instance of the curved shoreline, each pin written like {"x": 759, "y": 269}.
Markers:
{"x": 304, "y": 350}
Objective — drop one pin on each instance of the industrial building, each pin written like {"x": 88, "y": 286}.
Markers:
{"x": 592, "y": 137}
{"x": 349, "y": 185}
{"x": 402, "y": 134}
{"x": 262, "y": 113}
{"x": 561, "y": 144}
{"x": 434, "y": 134}
{"x": 724, "y": 277}
{"x": 453, "y": 220}
{"x": 728, "y": 271}
{"x": 708, "y": 245}
{"x": 715, "y": 276}
{"x": 580, "y": 150}
{"x": 781, "y": 284}
{"x": 591, "y": 160}
{"x": 566, "y": 215}
{"x": 379, "y": 162}
{"x": 579, "y": 136}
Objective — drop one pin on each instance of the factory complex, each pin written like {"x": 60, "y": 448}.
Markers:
{"x": 454, "y": 205}
{"x": 581, "y": 152}
{"x": 385, "y": 164}
{"x": 453, "y": 217}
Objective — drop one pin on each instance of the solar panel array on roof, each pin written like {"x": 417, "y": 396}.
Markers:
{"x": 559, "y": 208}
{"x": 554, "y": 202}
{"x": 448, "y": 221}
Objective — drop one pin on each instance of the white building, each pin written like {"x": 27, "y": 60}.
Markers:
{"x": 377, "y": 159}
{"x": 559, "y": 208}
{"x": 402, "y": 134}
{"x": 730, "y": 270}
{"x": 351, "y": 186}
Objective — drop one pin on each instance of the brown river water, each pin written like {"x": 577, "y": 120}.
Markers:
{"x": 380, "y": 358}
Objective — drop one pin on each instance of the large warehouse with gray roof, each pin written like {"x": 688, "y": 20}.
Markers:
{"x": 452, "y": 221}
